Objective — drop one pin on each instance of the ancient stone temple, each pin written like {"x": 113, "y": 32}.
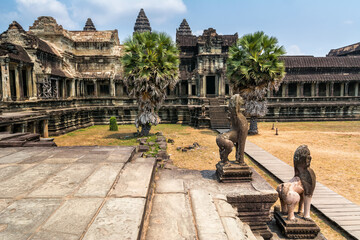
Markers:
{"x": 60, "y": 80}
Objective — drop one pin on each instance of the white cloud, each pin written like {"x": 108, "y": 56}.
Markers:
{"x": 31, "y": 9}
{"x": 348, "y": 22}
{"x": 293, "y": 50}
{"x": 198, "y": 32}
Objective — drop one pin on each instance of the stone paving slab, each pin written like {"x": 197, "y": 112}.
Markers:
{"x": 324, "y": 200}
{"x": 119, "y": 218}
{"x": 135, "y": 179}
{"x": 171, "y": 218}
{"x": 49, "y": 194}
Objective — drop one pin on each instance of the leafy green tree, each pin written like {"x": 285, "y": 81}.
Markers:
{"x": 151, "y": 65}
{"x": 254, "y": 68}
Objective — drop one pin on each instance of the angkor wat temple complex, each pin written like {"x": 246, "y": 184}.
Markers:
{"x": 54, "y": 80}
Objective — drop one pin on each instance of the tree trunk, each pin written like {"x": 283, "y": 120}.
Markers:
{"x": 253, "y": 126}
{"x": 145, "y": 129}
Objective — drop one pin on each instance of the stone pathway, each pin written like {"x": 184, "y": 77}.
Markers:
{"x": 73, "y": 193}
{"x": 335, "y": 207}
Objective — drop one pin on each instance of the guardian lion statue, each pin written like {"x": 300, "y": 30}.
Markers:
{"x": 300, "y": 188}
{"x": 237, "y": 134}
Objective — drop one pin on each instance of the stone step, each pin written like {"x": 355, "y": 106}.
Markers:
{"x": 216, "y": 219}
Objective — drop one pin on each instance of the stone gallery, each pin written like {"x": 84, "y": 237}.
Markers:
{"x": 54, "y": 80}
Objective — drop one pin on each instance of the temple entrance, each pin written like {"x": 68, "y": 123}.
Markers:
{"x": 24, "y": 84}
{"x": 12, "y": 85}
{"x": 210, "y": 85}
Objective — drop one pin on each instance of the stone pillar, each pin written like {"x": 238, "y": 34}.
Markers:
{"x": 112, "y": 88}
{"x": 300, "y": 90}
{"x": 283, "y": 89}
{"x": 342, "y": 89}
{"x": 217, "y": 85}
{"x": 317, "y": 90}
{"x": 17, "y": 84}
{"x": 357, "y": 89}
{"x": 78, "y": 87}
{"x": 313, "y": 90}
{"x": 95, "y": 88}
{"x": 332, "y": 89}
{"x": 327, "y": 89}
{"x": 189, "y": 88}
{"x": 46, "y": 129}
{"x": 21, "y": 87}
{"x": 57, "y": 89}
{"x": 5, "y": 79}
{"x": 64, "y": 88}
{"x": 34, "y": 84}
{"x": 73, "y": 87}
{"x": 203, "y": 86}
{"x": 29, "y": 82}
{"x": 346, "y": 89}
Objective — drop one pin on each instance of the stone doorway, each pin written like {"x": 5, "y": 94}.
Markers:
{"x": 12, "y": 85}
{"x": 210, "y": 85}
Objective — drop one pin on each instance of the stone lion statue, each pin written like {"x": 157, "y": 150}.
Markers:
{"x": 236, "y": 136}
{"x": 300, "y": 188}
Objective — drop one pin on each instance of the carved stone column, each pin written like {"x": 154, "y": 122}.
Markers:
{"x": 34, "y": 84}
{"x": 327, "y": 89}
{"x": 342, "y": 87}
{"x": 73, "y": 87}
{"x": 317, "y": 90}
{"x": 112, "y": 88}
{"x": 357, "y": 89}
{"x": 21, "y": 87}
{"x": 332, "y": 89}
{"x": 46, "y": 129}
{"x": 17, "y": 84}
{"x": 313, "y": 90}
{"x": 346, "y": 89}
{"x": 5, "y": 79}
{"x": 29, "y": 82}
{"x": 284, "y": 89}
{"x": 95, "y": 88}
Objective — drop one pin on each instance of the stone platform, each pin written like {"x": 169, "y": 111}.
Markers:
{"x": 73, "y": 193}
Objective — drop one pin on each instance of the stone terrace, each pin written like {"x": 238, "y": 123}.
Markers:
{"x": 73, "y": 193}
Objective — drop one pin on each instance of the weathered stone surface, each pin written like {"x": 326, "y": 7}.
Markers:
{"x": 7, "y": 171}
{"x": 64, "y": 182}
{"x": 207, "y": 219}
{"x": 233, "y": 172}
{"x": 45, "y": 235}
{"x": 100, "y": 182}
{"x": 171, "y": 218}
{"x": 16, "y": 157}
{"x": 23, "y": 216}
{"x": 4, "y": 203}
{"x": 22, "y": 183}
{"x": 170, "y": 186}
{"x": 135, "y": 179}
{"x": 119, "y": 218}
{"x": 73, "y": 216}
{"x": 119, "y": 158}
{"x": 60, "y": 160}
{"x": 143, "y": 148}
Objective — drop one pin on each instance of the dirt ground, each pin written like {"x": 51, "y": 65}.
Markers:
{"x": 334, "y": 147}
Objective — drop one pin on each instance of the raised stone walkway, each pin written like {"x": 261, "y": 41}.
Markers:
{"x": 335, "y": 207}
{"x": 73, "y": 193}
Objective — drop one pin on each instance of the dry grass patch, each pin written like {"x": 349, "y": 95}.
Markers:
{"x": 334, "y": 147}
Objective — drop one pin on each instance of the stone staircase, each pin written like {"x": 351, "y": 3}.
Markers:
{"x": 218, "y": 115}
{"x": 24, "y": 140}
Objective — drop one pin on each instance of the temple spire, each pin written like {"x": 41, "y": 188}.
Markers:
{"x": 142, "y": 23}
{"x": 89, "y": 25}
{"x": 184, "y": 28}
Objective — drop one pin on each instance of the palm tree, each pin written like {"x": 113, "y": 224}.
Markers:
{"x": 254, "y": 68}
{"x": 151, "y": 65}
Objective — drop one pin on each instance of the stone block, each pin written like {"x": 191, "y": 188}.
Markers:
{"x": 233, "y": 172}
{"x": 143, "y": 148}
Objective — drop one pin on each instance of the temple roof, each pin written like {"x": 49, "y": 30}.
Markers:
{"x": 89, "y": 25}
{"x": 142, "y": 23}
{"x": 184, "y": 28}
{"x": 14, "y": 52}
{"x": 321, "y": 77}
{"x": 324, "y": 62}
{"x": 92, "y": 36}
{"x": 353, "y": 49}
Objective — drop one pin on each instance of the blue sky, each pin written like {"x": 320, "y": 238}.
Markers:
{"x": 310, "y": 27}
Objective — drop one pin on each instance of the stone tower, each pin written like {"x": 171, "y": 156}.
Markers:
{"x": 142, "y": 23}
{"x": 89, "y": 25}
{"x": 184, "y": 29}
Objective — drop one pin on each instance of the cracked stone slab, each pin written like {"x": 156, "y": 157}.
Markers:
{"x": 207, "y": 219}
{"x": 135, "y": 179}
{"x": 16, "y": 157}
{"x": 22, "y": 217}
{"x": 100, "y": 182}
{"x": 73, "y": 216}
{"x": 64, "y": 182}
{"x": 23, "y": 182}
{"x": 170, "y": 186}
{"x": 171, "y": 218}
{"x": 119, "y": 218}
{"x": 45, "y": 235}
{"x": 8, "y": 171}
